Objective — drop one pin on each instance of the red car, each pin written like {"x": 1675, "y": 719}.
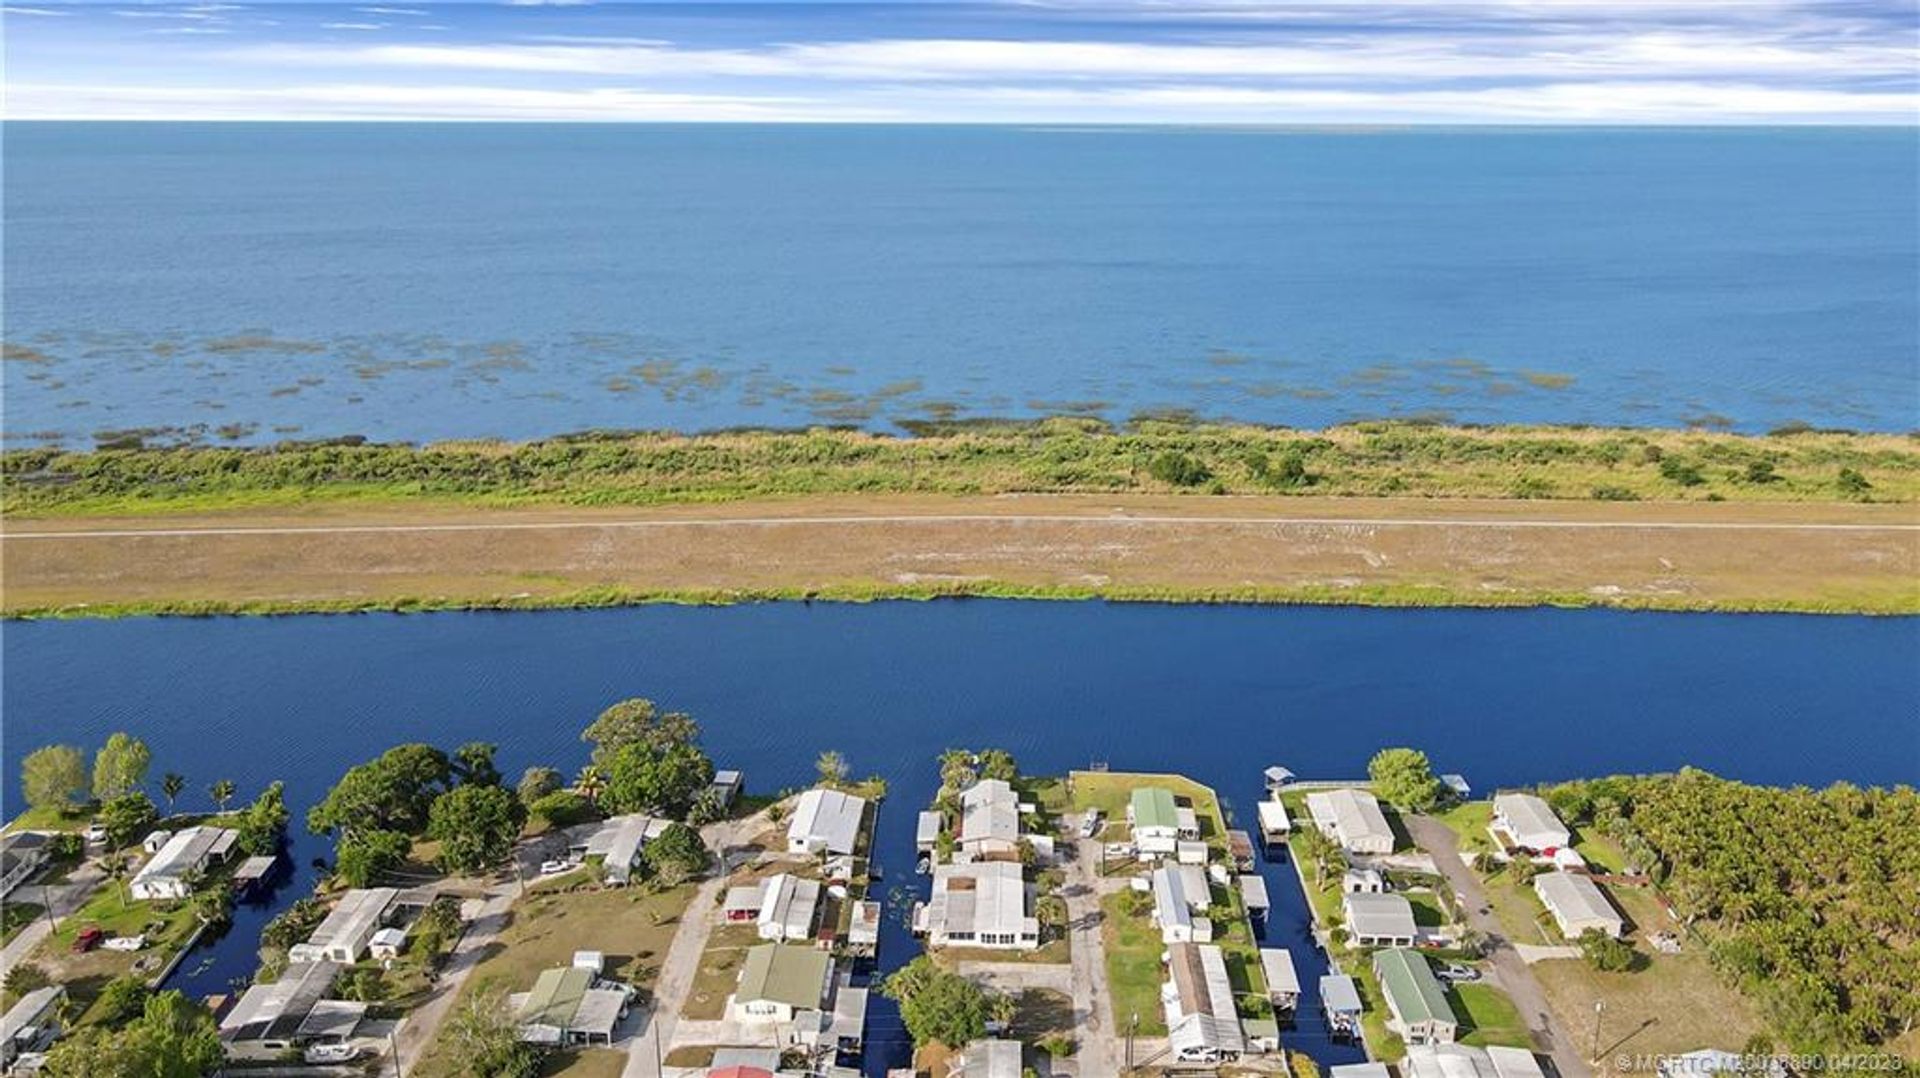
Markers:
{"x": 87, "y": 940}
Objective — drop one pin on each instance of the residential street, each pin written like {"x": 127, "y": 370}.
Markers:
{"x": 682, "y": 962}
{"x": 419, "y": 1028}
{"x": 63, "y": 898}
{"x": 1100, "y": 1049}
{"x": 1510, "y": 972}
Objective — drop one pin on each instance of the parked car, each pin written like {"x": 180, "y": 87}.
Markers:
{"x": 1091, "y": 825}
{"x": 87, "y": 940}
{"x": 548, "y": 868}
{"x": 1459, "y": 974}
{"x": 332, "y": 1053}
{"x": 94, "y": 834}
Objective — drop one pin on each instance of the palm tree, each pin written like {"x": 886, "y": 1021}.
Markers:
{"x": 590, "y": 783}
{"x": 222, "y": 792}
{"x": 116, "y": 866}
{"x": 1002, "y": 1008}
{"x": 172, "y": 785}
{"x": 832, "y": 768}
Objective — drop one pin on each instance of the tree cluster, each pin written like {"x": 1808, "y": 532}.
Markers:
{"x": 1807, "y": 896}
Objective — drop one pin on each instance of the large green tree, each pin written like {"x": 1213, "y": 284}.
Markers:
{"x": 1403, "y": 778}
{"x": 676, "y": 856}
{"x": 367, "y": 857}
{"x": 938, "y": 1006}
{"x": 54, "y": 777}
{"x": 120, "y": 767}
{"x": 482, "y": 1039}
{"x": 660, "y": 780}
{"x": 127, "y": 818}
{"x": 473, "y": 763}
{"x": 638, "y": 721}
{"x": 263, "y": 824}
{"x": 475, "y": 827}
{"x": 172, "y": 1038}
{"x": 536, "y": 783}
{"x": 391, "y": 793}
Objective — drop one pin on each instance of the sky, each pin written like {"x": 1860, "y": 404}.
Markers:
{"x": 1040, "y": 61}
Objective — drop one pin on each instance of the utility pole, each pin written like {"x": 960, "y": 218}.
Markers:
{"x": 393, "y": 1047}
{"x": 1132, "y": 1025}
{"x": 1599, "y": 1008}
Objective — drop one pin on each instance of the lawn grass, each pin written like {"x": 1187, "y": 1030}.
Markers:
{"x": 1657, "y": 1008}
{"x": 44, "y": 818}
{"x": 1599, "y": 851}
{"x": 1427, "y": 910}
{"x": 719, "y": 970}
{"x": 1488, "y": 1017}
{"x": 1469, "y": 820}
{"x": 583, "y": 1063}
{"x": 15, "y": 916}
{"x": 1134, "y": 974}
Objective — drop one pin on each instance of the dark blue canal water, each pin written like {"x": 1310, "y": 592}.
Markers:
{"x": 1216, "y": 692}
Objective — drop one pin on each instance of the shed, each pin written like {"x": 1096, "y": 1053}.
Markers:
{"x": 1240, "y": 850}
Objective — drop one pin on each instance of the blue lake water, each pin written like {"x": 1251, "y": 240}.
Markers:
{"x": 419, "y": 281}
{"x": 1505, "y": 697}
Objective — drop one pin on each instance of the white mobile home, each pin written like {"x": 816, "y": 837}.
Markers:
{"x": 825, "y": 821}
{"x": 172, "y": 872}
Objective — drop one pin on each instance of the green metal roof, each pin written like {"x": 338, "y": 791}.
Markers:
{"x": 556, "y": 995}
{"x": 784, "y": 974}
{"x": 1153, "y": 807}
{"x": 1412, "y": 989}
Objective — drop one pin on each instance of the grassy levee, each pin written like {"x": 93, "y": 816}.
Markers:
{"x": 1059, "y": 455}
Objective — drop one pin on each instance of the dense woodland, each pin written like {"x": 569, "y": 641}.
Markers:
{"x": 1407, "y": 459}
{"x": 1809, "y": 899}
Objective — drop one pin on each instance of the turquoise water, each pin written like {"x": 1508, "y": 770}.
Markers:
{"x": 417, "y": 281}
{"x": 1506, "y": 697}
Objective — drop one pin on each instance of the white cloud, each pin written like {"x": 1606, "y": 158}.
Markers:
{"x": 353, "y": 26}
{"x": 49, "y": 12}
{"x": 1571, "y": 102}
{"x": 389, "y": 11}
{"x": 1664, "y": 54}
{"x": 355, "y": 101}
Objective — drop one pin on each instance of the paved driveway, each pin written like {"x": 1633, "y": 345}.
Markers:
{"x": 1100, "y": 1050}
{"x": 1510, "y": 972}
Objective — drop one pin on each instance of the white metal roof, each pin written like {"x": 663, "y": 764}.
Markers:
{"x": 186, "y": 853}
{"x": 276, "y": 1010}
{"x": 989, "y": 811}
{"x": 1573, "y": 897}
{"x": 1339, "y": 994}
{"x": 984, "y": 897}
{"x": 1204, "y": 1014}
{"x": 1354, "y": 815}
{"x": 828, "y": 817}
{"x": 1273, "y": 817}
{"x": 1376, "y": 915}
{"x": 352, "y": 919}
{"x": 1253, "y": 891}
{"x": 1515, "y": 1062}
{"x": 790, "y": 902}
{"x": 1531, "y": 820}
{"x": 1277, "y": 964}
